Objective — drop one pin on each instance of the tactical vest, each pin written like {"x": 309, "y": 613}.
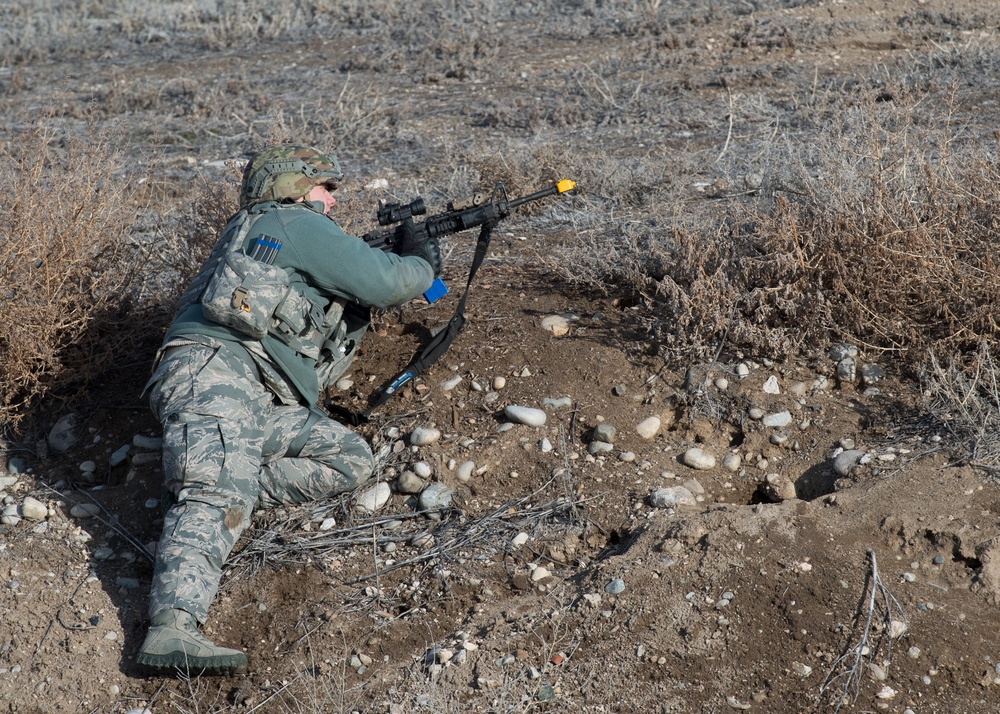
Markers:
{"x": 239, "y": 287}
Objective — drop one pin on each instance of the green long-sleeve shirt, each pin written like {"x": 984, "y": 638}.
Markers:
{"x": 323, "y": 263}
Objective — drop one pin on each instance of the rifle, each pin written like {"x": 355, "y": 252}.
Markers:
{"x": 460, "y": 215}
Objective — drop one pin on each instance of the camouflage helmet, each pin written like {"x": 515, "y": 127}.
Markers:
{"x": 287, "y": 171}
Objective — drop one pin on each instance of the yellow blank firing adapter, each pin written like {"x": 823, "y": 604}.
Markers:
{"x": 565, "y": 185}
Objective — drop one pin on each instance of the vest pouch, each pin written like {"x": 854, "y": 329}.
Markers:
{"x": 244, "y": 293}
{"x": 296, "y": 323}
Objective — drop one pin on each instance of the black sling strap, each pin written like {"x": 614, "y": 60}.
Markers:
{"x": 438, "y": 345}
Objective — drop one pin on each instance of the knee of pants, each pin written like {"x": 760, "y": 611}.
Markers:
{"x": 207, "y": 528}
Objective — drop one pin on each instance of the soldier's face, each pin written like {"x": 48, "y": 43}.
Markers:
{"x": 322, "y": 194}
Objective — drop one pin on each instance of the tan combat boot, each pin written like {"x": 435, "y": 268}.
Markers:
{"x": 174, "y": 643}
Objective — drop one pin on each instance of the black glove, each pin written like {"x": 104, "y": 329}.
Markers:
{"x": 426, "y": 248}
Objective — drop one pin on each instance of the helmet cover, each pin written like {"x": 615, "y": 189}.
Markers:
{"x": 287, "y": 172}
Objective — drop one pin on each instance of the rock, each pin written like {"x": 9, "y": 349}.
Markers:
{"x": 7, "y": 481}
{"x": 557, "y": 403}
{"x": 545, "y": 445}
{"x": 626, "y": 456}
{"x": 649, "y": 427}
{"x": 539, "y": 574}
{"x": 802, "y": 670}
{"x": 10, "y": 516}
{"x": 698, "y": 459}
{"x": 422, "y": 436}
{"x": 372, "y": 499}
{"x": 525, "y": 415}
{"x": 16, "y": 465}
{"x": 64, "y": 433}
{"x": 732, "y": 462}
{"x": 722, "y": 384}
{"x": 777, "y": 420}
{"x": 409, "y": 482}
{"x": 771, "y": 386}
{"x": 450, "y": 384}
{"x": 615, "y": 587}
{"x": 556, "y": 324}
{"x": 779, "y": 488}
{"x": 120, "y": 456}
{"x": 423, "y": 469}
{"x": 344, "y": 384}
{"x": 85, "y": 510}
{"x": 847, "y": 370}
{"x": 605, "y": 432}
{"x": 672, "y": 497}
{"x": 841, "y": 351}
{"x": 436, "y": 499}
{"x": 328, "y": 524}
{"x": 845, "y": 461}
{"x": 872, "y": 373}
{"x": 149, "y": 443}
{"x": 755, "y": 413}
{"x": 519, "y": 540}
{"x": 499, "y": 383}
{"x": 599, "y": 447}
{"x": 742, "y": 370}
{"x": 34, "y": 510}
{"x": 464, "y": 471}
{"x": 88, "y": 467}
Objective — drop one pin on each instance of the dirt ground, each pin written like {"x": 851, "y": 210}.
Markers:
{"x": 752, "y": 597}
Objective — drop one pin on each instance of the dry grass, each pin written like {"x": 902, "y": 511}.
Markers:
{"x": 66, "y": 208}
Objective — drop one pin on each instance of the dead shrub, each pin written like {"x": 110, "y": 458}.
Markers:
{"x": 66, "y": 206}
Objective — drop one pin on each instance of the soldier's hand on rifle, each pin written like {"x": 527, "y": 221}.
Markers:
{"x": 422, "y": 247}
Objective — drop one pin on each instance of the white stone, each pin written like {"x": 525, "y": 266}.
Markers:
{"x": 424, "y": 435}
{"x": 803, "y": 670}
{"x": 450, "y": 384}
{"x": 845, "y": 461}
{"x": 556, "y": 324}
{"x": 771, "y": 386}
{"x": 328, "y": 524}
{"x": 525, "y": 415}
{"x": 464, "y": 472}
{"x": 150, "y": 443}
{"x": 698, "y": 459}
{"x": 722, "y": 384}
{"x": 649, "y": 427}
{"x": 374, "y": 498}
{"x": 344, "y": 384}
{"x": 33, "y": 509}
{"x": 897, "y": 628}
{"x": 88, "y": 467}
{"x": 672, "y": 497}
{"x": 732, "y": 462}
{"x": 777, "y": 420}
{"x": 64, "y": 434}
{"x": 499, "y": 383}
{"x": 85, "y": 510}
{"x": 519, "y": 540}
{"x": 423, "y": 469}
{"x": 539, "y": 574}
{"x": 742, "y": 370}
{"x": 886, "y": 692}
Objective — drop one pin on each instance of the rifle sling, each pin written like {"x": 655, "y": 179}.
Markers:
{"x": 438, "y": 345}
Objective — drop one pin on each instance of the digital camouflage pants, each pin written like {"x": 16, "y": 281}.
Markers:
{"x": 226, "y": 452}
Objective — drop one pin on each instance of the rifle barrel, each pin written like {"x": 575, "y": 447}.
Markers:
{"x": 561, "y": 187}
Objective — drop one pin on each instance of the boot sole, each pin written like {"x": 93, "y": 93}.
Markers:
{"x": 170, "y": 664}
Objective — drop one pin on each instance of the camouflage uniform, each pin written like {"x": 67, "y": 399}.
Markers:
{"x": 239, "y": 428}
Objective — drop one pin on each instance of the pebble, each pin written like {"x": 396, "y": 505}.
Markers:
{"x": 539, "y": 574}
{"x": 732, "y": 462}
{"x": 372, "y": 499}
{"x": 742, "y": 370}
{"x": 88, "y": 467}
{"x": 7, "y": 481}
{"x": 845, "y": 461}
{"x": 777, "y": 420}
{"x": 152, "y": 503}
{"x": 755, "y": 413}
{"x": 698, "y": 459}
{"x": 558, "y": 325}
{"x": 913, "y": 653}
{"x": 557, "y": 403}
{"x": 33, "y": 509}
{"x": 649, "y": 427}
{"x": 909, "y": 577}
{"x": 847, "y": 370}
{"x": 10, "y": 515}
{"x": 328, "y": 524}
{"x": 937, "y": 560}
{"x": 802, "y": 670}
{"x": 615, "y": 587}
{"x": 599, "y": 447}
{"x": 672, "y": 497}
{"x": 16, "y": 465}
{"x": 120, "y": 455}
{"x": 435, "y": 500}
{"x": 519, "y": 540}
{"x": 149, "y": 443}
{"x": 605, "y": 432}
{"x": 771, "y": 386}
{"x": 146, "y": 458}
{"x": 897, "y": 628}
{"x": 722, "y": 384}
{"x": 64, "y": 434}
{"x": 525, "y": 415}
{"x": 450, "y": 384}
{"x": 409, "y": 482}
{"x": 465, "y": 469}
{"x": 423, "y": 469}
{"x": 780, "y": 488}
{"x": 627, "y": 456}
{"x": 85, "y": 510}
{"x": 344, "y": 384}
{"x": 545, "y": 445}
{"x": 422, "y": 436}
{"x": 499, "y": 383}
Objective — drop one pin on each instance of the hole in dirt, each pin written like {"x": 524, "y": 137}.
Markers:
{"x": 737, "y": 439}
{"x": 816, "y": 482}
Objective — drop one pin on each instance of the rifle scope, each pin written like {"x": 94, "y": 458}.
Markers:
{"x": 395, "y": 212}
